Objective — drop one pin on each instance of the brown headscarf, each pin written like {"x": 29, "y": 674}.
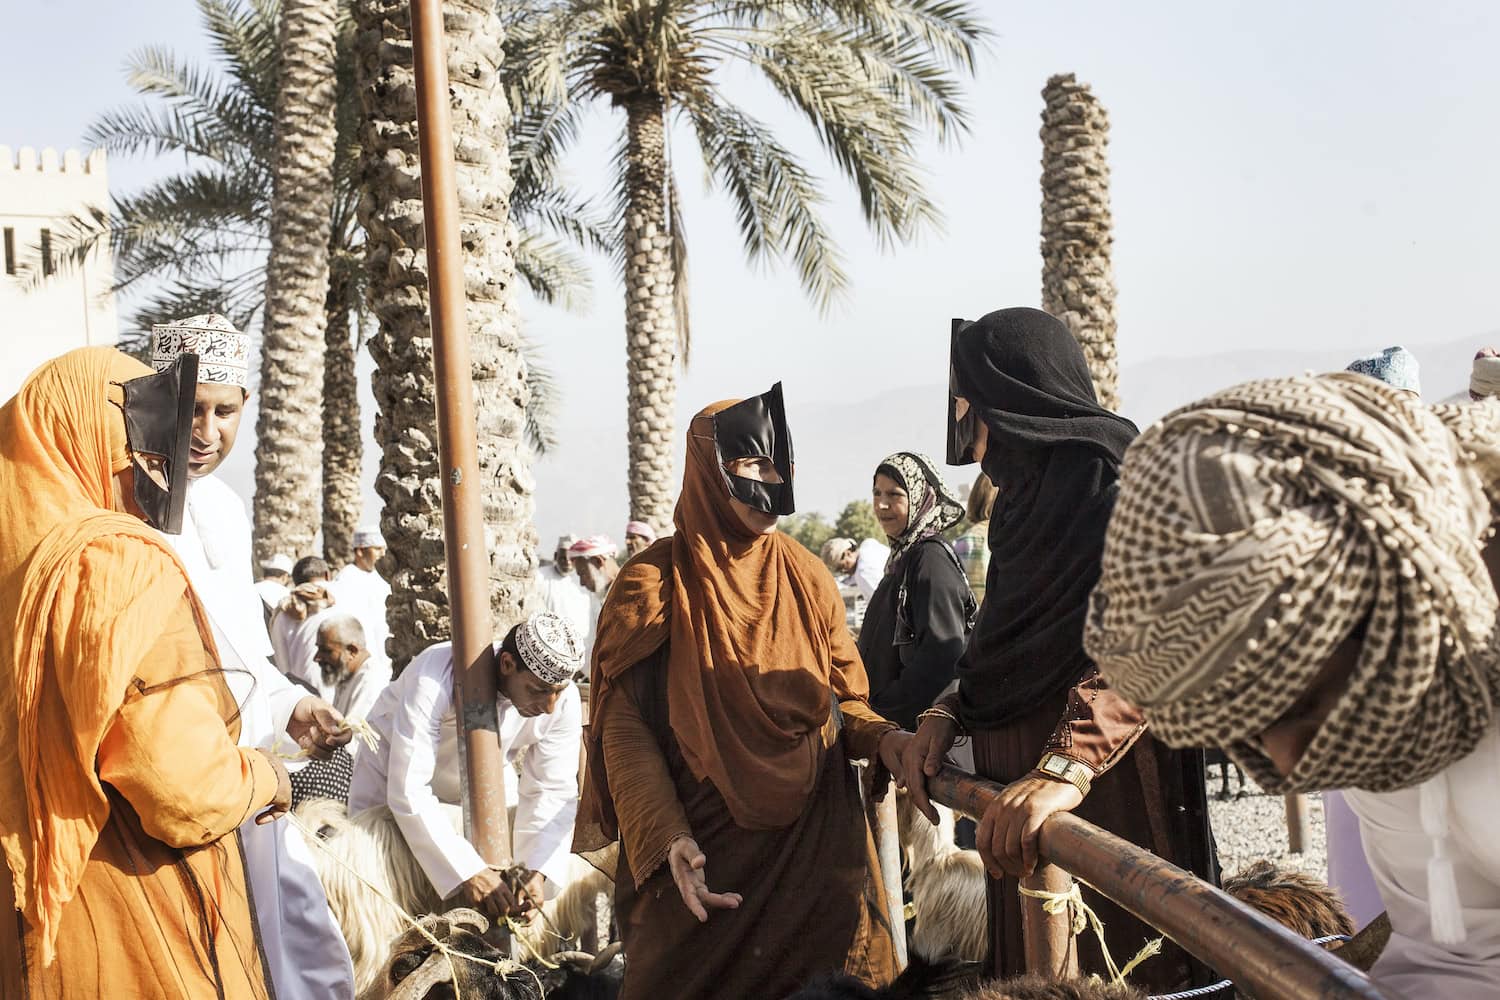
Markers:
{"x": 754, "y": 625}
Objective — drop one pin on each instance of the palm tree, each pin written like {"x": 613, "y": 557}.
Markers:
{"x": 1078, "y": 281}
{"x": 197, "y": 240}
{"x": 291, "y": 353}
{"x": 391, "y": 212}
{"x": 872, "y": 76}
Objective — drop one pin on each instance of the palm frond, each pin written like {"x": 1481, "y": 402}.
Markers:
{"x": 680, "y": 298}
{"x": 245, "y": 38}
{"x": 554, "y": 273}
{"x": 776, "y": 200}
{"x": 952, "y": 30}
{"x": 545, "y": 399}
{"x": 871, "y": 137}
{"x": 241, "y": 301}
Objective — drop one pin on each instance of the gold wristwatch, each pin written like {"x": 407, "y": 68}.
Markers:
{"x": 1075, "y": 773}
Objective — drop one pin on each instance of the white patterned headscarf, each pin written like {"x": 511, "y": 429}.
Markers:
{"x": 1255, "y": 530}
{"x": 931, "y": 507}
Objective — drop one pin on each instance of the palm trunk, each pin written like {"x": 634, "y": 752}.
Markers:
{"x": 286, "y": 448}
{"x": 342, "y": 447}
{"x": 650, "y": 329}
{"x": 406, "y": 419}
{"x": 1078, "y": 282}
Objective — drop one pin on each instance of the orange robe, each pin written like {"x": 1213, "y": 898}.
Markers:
{"x": 162, "y": 909}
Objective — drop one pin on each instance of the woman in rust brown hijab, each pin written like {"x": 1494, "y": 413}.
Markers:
{"x": 728, "y": 698}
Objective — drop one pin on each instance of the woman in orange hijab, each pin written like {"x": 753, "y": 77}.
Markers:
{"x": 727, "y": 700}
{"x": 120, "y": 782}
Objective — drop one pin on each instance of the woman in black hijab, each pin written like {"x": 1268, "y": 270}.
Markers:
{"x": 1040, "y": 717}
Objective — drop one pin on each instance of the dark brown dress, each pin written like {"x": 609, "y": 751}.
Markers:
{"x": 813, "y": 898}
{"x": 1146, "y": 795}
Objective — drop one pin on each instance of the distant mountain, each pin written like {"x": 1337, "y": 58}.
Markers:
{"x": 839, "y": 443}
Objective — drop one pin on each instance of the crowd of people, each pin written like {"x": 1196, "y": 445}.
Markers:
{"x": 1298, "y": 571}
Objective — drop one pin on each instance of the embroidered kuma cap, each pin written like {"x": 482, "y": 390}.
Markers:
{"x": 368, "y": 537}
{"x": 223, "y": 351}
{"x": 1395, "y": 366}
{"x": 550, "y": 648}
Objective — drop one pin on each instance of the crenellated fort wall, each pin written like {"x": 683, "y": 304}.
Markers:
{"x": 73, "y": 306}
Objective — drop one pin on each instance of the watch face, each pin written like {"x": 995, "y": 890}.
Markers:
{"x": 1054, "y": 766}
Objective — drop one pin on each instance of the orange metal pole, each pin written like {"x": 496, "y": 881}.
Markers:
{"x": 485, "y": 820}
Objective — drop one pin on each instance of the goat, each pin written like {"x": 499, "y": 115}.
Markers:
{"x": 947, "y": 885}
{"x": 418, "y": 970}
{"x": 371, "y": 844}
{"x": 1213, "y": 756}
{"x": 1306, "y": 905}
{"x": 963, "y": 981}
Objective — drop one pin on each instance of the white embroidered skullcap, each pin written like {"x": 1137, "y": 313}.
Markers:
{"x": 279, "y": 563}
{"x": 565, "y": 542}
{"x": 368, "y": 537}
{"x": 594, "y": 545}
{"x": 550, "y": 647}
{"x": 223, "y": 352}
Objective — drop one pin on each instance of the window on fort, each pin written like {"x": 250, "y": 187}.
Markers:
{"x": 10, "y": 250}
{"x": 46, "y": 251}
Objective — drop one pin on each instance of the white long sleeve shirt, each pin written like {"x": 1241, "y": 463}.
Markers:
{"x": 1398, "y": 850}
{"x": 362, "y": 593}
{"x": 414, "y": 771}
{"x": 869, "y": 567}
{"x": 304, "y": 948}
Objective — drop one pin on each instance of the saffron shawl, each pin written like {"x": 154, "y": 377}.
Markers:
{"x": 71, "y": 631}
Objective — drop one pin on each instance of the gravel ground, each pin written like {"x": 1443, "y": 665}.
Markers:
{"x": 1254, "y": 828}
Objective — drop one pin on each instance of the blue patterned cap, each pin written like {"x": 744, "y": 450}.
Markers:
{"x": 1395, "y": 366}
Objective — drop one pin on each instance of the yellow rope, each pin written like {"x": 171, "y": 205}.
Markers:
{"x": 362, "y": 729}
{"x": 1083, "y": 916}
{"x": 503, "y": 966}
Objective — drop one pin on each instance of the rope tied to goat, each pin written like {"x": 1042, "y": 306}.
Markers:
{"x": 1083, "y": 916}
{"x": 365, "y": 732}
{"x": 503, "y": 966}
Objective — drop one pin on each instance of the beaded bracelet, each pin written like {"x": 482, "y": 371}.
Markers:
{"x": 941, "y": 713}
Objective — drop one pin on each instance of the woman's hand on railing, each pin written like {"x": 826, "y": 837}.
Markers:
{"x": 923, "y": 758}
{"x": 1007, "y": 834}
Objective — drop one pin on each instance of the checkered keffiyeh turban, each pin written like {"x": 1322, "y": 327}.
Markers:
{"x": 1256, "y": 529}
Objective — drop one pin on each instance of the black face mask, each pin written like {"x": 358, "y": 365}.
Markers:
{"x": 756, "y": 428}
{"x": 962, "y": 433}
{"x": 159, "y": 422}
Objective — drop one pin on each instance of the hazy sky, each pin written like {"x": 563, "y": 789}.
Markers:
{"x": 1285, "y": 175}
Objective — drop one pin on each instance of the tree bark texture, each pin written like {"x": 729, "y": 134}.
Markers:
{"x": 288, "y": 447}
{"x": 406, "y": 415}
{"x": 342, "y": 447}
{"x": 650, "y": 326}
{"x": 1078, "y": 282}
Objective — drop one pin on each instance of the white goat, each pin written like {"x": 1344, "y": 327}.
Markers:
{"x": 371, "y": 844}
{"x": 947, "y": 885}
